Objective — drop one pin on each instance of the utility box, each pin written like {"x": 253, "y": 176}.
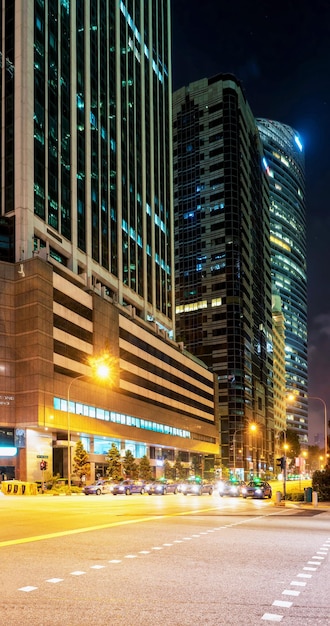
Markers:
{"x": 308, "y": 494}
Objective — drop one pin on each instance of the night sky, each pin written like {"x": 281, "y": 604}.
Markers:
{"x": 280, "y": 51}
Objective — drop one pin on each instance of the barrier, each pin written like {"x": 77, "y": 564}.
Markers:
{"x": 18, "y": 488}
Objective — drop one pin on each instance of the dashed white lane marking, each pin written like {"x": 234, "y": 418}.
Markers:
{"x": 130, "y": 556}
{"x": 283, "y": 603}
{"x": 115, "y": 561}
{"x": 28, "y": 588}
{"x": 167, "y": 544}
{"x": 77, "y": 573}
{"x": 316, "y": 560}
{"x": 156, "y": 548}
{"x": 97, "y": 566}
{"x": 290, "y": 592}
{"x": 54, "y": 580}
{"x": 143, "y": 552}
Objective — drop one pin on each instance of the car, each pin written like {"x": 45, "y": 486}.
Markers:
{"x": 162, "y": 487}
{"x": 257, "y": 489}
{"x": 231, "y": 488}
{"x": 101, "y": 486}
{"x": 195, "y": 487}
{"x": 128, "y": 487}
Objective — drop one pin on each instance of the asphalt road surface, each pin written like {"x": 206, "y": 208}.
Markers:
{"x": 169, "y": 560}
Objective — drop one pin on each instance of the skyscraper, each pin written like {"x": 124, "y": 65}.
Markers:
{"x": 222, "y": 261}
{"x": 86, "y": 239}
{"x": 286, "y": 168}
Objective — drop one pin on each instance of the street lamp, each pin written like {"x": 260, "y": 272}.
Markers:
{"x": 234, "y": 446}
{"x": 253, "y": 429}
{"x": 101, "y": 370}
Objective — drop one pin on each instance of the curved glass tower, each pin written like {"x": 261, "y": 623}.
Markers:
{"x": 284, "y": 160}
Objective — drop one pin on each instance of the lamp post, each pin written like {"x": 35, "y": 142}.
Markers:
{"x": 68, "y": 425}
{"x": 101, "y": 370}
{"x": 325, "y": 425}
{"x": 234, "y": 446}
{"x": 253, "y": 429}
{"x": 285, "y": 446}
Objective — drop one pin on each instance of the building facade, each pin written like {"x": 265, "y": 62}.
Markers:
{"x": 86, "y": 240}
{"x": 222, "y": 262}
{"x": 279, "y": 375}
{"x": 286, "y": 168}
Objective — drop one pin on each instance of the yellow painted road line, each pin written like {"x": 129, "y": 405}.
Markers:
{"x": 64, "y": 533}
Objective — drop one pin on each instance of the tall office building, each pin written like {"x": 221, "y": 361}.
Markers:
{"x": 222, "y": 261}
{"x": 286, "y": 168}
{"x": 86, "y": 240}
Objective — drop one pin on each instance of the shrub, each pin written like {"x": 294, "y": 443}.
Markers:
{"x": 321, "y": 484}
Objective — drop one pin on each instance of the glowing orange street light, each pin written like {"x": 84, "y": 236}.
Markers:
{"x": 101, "y": 370}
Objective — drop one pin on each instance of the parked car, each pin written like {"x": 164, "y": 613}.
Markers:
{"x": 257, "y": 489}
{"x": 101, "y": 486}
{"x": 231, "y": 488}
{"x": 162, "y": 487}
{"x": 196, "y": 487}
{"x": 128, "y": 487}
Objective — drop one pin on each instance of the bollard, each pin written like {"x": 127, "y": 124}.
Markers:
{"x": 315, "y": 499}
{"x": 278, "y": 499}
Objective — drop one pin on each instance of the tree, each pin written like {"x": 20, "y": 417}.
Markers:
{"x": 179, "y": 472}
{"x": 292, "y": 440}
{"x": 114, "y": 463}
{"x": 167, "y": 469}
{"x": 129, "y": 466}
{"x": 81, "y": 464}
{"x": 145, "y": 471}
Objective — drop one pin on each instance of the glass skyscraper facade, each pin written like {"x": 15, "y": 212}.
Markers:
{"x": 222, "y": 261}
{"x": 86, "y": 232}
{"x": 87, "y": 89}
{"x": 284, "y": 155}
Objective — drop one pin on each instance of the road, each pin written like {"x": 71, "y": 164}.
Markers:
{"x": 170, "y": 560}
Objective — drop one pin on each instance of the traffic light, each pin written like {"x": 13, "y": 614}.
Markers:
{"x": 281, "y": 462}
